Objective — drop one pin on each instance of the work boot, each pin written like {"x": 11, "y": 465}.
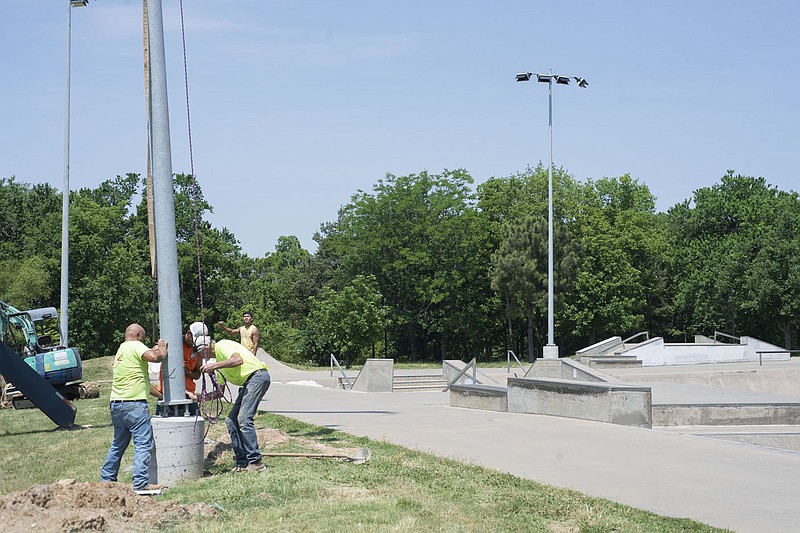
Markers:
{"x": 256, "y": 467}
{"x": 152, "y": 488}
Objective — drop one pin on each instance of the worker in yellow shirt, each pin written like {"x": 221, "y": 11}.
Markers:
{"x": 129, "y": 413}
{"x": 240, "y": 367}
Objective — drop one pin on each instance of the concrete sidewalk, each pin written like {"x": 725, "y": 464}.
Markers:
{"x": 721, "y": 483}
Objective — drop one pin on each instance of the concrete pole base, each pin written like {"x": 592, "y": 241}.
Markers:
{"x": 550, "y": 351}
{"x": 178, "y": 451}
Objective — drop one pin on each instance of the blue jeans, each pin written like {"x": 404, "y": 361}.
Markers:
{"x": 240, "y": 420}
{"x": 131, "y": 420}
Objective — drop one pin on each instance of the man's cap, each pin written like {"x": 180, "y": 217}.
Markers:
{"x": 201, "y": 342}
{"x": 197, "y": 329}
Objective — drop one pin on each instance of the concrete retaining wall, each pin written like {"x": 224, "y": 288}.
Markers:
{"x": 604, "y": 402}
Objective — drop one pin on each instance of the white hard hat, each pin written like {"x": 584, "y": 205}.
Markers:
{"x": 201, "y": 342}
{"x": 197, "y": 329}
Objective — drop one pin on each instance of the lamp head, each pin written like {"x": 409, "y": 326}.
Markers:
{"x": 524, "y": 76}
{"x": 78, "y": 3}
{"x": 543, "y": 78}
{"x": 582, "y": 83}
{"x": 562, "y": 80}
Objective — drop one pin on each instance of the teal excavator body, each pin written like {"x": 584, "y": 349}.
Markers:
{"x": 29, "y": 335}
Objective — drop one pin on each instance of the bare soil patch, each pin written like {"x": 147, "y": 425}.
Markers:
{"x": 67, "y": 506}
{"x": 268, "y": 440}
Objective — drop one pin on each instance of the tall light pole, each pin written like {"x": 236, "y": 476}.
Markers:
{"x": 550, "y": 350}
{"x": 64, "y": 335}
{"x": 169, "y": 303}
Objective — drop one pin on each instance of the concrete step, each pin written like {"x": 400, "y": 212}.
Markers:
{"x": 419, "y": 379}
{"x": 611, "y": 361}
{"x": 418, "y": 388}
{"x": 422, "y": 382}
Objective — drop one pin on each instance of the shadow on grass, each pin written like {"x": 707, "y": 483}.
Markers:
{"x": 215, "y": 453}
{"x": 76, "y": 427}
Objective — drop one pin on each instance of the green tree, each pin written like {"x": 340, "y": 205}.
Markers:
{"x": 25, "y": 282}
{"x": 419, "y": 237}
{"x": 737, "y": 265}
{"x": 30, "y": 225}
{"x": 277, "y": 288}
{"x": 519, "y": 272}
{"x": 109, "y": 267}
{"x": 618, "y": 243}
{"x": 349, "y": 321}
{"x": 515, "y": 210}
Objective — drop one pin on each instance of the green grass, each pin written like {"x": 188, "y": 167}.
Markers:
{"x": 396, "y": 490}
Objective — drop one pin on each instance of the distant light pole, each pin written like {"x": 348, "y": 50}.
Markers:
{"x": 550, "y": 351}
{"x": 64, "y": 334}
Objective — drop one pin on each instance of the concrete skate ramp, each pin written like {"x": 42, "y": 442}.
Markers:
{"x": 778, "y": 377}
{"x": 656, "y": 352}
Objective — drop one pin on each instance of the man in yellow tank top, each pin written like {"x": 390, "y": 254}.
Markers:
{"x": 248, "y": 333}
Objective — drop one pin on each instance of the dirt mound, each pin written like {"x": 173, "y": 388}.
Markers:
{"x": 67, "y": 506}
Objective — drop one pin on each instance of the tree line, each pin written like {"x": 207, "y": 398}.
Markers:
{"x": 428, "y": 266}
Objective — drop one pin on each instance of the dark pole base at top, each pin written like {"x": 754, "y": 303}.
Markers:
{"x": 180, "y": 408}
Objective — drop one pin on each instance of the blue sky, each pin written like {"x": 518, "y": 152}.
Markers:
{"x": 296, "y": 105}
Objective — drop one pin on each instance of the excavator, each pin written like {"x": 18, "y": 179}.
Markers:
{"x": 38, "y": 371}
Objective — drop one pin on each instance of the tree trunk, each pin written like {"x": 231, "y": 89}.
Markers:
{"x": 529, "y": 312}
{"x": 786, "y": 329}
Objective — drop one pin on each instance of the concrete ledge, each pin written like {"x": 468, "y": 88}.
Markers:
{"x": 611, "y": 362}
{"x": 742, "y": 414}
{"x": 483, "y": 397}
{"x": 614, "y": 403}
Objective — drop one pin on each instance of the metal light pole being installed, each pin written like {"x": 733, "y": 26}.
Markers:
{"x": 178, "y": 451}
{"x": 550, "y": 350}
{"x": 64, "y": 334}
{"x": 169, "y": 305}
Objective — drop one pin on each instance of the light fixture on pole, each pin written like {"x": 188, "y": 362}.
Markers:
{"x": 550, "y": 350}
{"x": 64, "y": 333}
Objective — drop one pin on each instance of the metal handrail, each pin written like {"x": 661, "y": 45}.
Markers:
{"x": 737, "y": 339}
{"x": 645, "y": 333}
{"x": 759, "y": 352}
{"x": 334, "y": 360}
{"x": 510, "y": 353}
{"x": 474, "y": 366}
